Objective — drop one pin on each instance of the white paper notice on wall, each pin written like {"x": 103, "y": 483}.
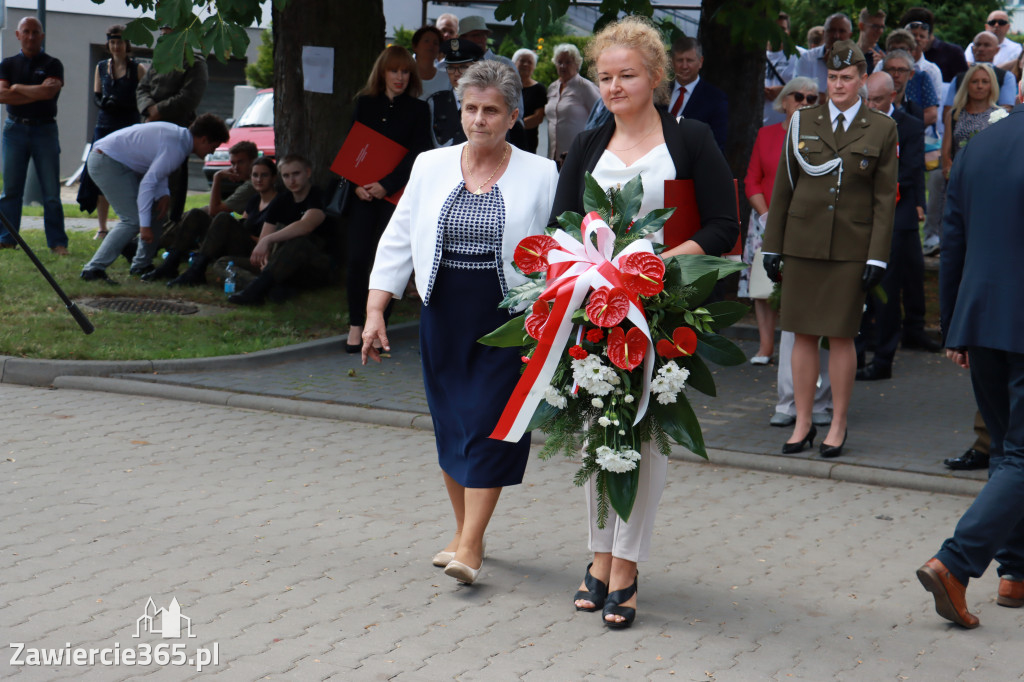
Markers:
{"x": 318, "y": 69}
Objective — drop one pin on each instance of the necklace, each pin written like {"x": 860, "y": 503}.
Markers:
{"x": 646, "y": 135}
{"x": 479, "y": 189}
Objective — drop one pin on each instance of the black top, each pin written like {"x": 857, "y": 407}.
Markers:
{"x": 254, "y": 217}
{"x": 284, "y": 210}
{"x": 118, "y": 97}
{"x": 948, "y": 57}
{"x": 696, "y": 156}
{"x": 22, "y": 70}
{"x": 534, "y": 98}
{"x": 406, "y": 120}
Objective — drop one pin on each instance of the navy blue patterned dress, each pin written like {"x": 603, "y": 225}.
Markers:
{"x": 468, "y": 383}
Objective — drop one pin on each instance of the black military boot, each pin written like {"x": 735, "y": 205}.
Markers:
{"x": 255, "y": 292}
{"x": 166, "y": 270}
{"x": 194, "y": 275}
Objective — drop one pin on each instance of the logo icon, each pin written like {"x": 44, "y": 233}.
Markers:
{"x": 164, "y": 622}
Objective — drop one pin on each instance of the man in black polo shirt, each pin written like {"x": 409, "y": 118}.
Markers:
{"x": 30, "y": 83}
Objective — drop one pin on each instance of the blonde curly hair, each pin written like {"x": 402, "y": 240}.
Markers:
{"x": 636, "y": 33}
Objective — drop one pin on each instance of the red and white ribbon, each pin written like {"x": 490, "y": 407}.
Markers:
{"x": 573, "y": 270}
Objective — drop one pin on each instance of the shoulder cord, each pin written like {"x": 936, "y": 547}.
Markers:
{"x": 815, "y": 171}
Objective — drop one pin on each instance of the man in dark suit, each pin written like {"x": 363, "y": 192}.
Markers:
{"x": 692, "y": 96}
{"x": 981, "y": 292}
{"x": 904, "y": 276}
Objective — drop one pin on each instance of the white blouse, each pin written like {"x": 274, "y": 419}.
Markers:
{"x": 654, "y": 168}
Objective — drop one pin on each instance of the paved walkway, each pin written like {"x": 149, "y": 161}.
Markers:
{"x": 301, "y": 547}
{"x": 906, "y": 425}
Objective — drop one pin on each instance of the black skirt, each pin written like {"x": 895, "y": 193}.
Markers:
{"x": 467, "y": 383}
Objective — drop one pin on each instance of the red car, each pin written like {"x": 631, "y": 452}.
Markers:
{"x": 256, "y": 124}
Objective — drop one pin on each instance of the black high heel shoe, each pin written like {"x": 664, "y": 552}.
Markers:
{"x": 595, "y": 593}
{"x": 807, "y": 442}
{"x": 833, "y": 450}
{"x": 611, "y": 606}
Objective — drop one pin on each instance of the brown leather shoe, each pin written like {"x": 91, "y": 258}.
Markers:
{"x": 950, "y": 595}
{"x": 1011, "y": 593}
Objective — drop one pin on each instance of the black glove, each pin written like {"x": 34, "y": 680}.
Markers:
{"x": 98, "y": 98}
{"x": 110, "y": 103}
{"x": 872, "y": 276}
{"x": 773, "y": 266}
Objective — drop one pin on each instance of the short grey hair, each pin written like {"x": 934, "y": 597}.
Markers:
{"x": 898, "y": 54}
{"x": 798, "y": 84}
{"x": 492, "y": 74}
{"x": 524, "y": 51}
{"x": 839, "y": 15}
{"x": 568, "y": 48}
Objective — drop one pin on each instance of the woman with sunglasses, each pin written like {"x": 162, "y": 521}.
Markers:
{"x": 764, "y": 162}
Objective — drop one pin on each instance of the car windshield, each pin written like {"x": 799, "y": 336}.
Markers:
{"x": 259, "y": 113}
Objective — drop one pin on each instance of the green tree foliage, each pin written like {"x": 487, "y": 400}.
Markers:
{"x": 956, "y": 21}
{"x": 260, "y": 73}
{"x": 403, "y": 37}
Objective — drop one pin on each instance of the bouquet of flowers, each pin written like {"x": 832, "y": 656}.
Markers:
{"x": 612, "y": 337}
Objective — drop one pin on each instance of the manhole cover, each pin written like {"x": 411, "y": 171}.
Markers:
{"x": 142, "y": 305}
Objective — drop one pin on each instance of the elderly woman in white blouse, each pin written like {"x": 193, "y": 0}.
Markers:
{"x": 570, "y": 99}
{"x": 464, "y": 211}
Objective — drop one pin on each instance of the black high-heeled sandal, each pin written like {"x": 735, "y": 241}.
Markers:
{"x": 611, "y": 606}
{"x": 595, "y": 593}
{"x": 807, "y": 442}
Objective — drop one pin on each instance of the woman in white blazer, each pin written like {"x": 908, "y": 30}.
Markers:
{"x": 463, "y": 212}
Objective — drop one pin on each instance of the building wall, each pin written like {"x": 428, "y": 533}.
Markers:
{"x": 77, "y": 40}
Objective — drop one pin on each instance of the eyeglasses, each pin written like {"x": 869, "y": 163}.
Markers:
{"x": 800, "y": 97}
{"x": 897, "y": 69}
{"x": 919, "y": 24}
{"x": 997, "y": 22}
{"x": 458, "y": 68}
{"x": 877, "y": 27}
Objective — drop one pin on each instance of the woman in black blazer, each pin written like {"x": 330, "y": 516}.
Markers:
{"x": 387, "y": 104}
{"x": 631, "y": 65}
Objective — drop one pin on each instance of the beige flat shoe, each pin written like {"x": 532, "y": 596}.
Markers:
{"x": 462, "y": 572}
{"x": 443, "y": 558}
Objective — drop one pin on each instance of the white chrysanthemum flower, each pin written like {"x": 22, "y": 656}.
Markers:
{"x": 612, "y": 461}
{"x": 628, "y": 399}
{"x": 997, "y": 115}
{"x": 666, "y": 398}
{"x": 604, "y": 421}
{"x": 593, "y": 375}
{"x": 597, "y": 402}
{"x": 622, "y": 432}
{"x": 631, "y": 455}
{"x": 554, "y": 398}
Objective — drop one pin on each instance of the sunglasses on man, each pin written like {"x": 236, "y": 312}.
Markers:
{"x": 800, "y": 97}
{"x": 997, "y": 22}
{"x": 918, "y": 24}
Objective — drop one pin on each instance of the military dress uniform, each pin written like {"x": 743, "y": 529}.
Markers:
{"x": 831, "y": 212}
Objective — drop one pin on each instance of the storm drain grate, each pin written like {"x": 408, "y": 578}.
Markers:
{"x": 142, "y": 305}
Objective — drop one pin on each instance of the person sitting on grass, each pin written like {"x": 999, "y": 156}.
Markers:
{"x": 292, "y": 247}
{"x": 181, "y": 237}
{"x": 131, "y": 166}
{"x": 229, "y": 236}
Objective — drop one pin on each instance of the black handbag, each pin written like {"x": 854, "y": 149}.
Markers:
{"x": 338, "y": 202}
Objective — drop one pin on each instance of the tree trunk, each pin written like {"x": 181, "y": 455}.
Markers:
{"x": 310, "y": 123}
{"x": 738, "y": 69}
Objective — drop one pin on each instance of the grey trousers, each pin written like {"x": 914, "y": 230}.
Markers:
{"x": 632, "y": 540}
{"x": 822, "y": 397}
{"x": 120, "y": 185}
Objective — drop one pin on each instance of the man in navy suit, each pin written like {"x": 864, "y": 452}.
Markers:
{"x": 904, "y": 275}
{"x": 981, "y": 293}
{"x": 692, "y": 96}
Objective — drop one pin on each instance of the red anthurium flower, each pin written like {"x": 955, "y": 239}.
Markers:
{"x": 595, "y": 335}
{"x": 684, "y": 342}
{"x": 578, "y": 353}
{"x": 626, "y": 349}
{"x": 643, "y": 273}
{"x": 531, "y": 254}
{"x": 608, "y": 306}
{"x": 535, "y": 322}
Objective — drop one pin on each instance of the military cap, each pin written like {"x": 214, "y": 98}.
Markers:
{"x": 844, "y": 53}
{"x": 461, "y": 51}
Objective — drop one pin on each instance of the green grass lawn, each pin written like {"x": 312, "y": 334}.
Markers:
{"x": 36, "y": 324}
{"x": 72, "y": 210}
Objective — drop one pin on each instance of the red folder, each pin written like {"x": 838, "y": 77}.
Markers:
{"x": 367, "y": 156}
{"x": 685, "y": 222}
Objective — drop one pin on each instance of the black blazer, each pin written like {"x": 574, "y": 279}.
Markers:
{"x": 695, "y": 155}
{"x": 406, "y": 120}
{"x": 911, "y": 177}
{"x": 709, "y": 105}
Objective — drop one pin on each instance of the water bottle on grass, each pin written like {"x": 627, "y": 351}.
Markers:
{"x": 230, "y": 279}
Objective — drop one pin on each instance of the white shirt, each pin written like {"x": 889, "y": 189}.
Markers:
{"x": 812, "y": 65}
{"x": 785, "y": 66}
{"x": 677, "y": 88}
{"x": 154, "y": 151}
{"x": 1008, "y": 51}
{"x": 439, "y": 82}
{"x": 932, "y": 70}
{"x": 654, "y": 168}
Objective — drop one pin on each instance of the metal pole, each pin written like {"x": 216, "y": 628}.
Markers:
{"x": 42, "y": 18}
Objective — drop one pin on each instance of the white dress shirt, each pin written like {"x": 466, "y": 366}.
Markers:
{"x": 677, "y": 88}
{"x": 1008, "y": 51}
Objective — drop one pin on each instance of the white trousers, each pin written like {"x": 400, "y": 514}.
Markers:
{"x": 632, "y": 540}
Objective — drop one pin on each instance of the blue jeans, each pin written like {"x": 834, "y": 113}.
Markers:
{"x": 120, "y": 185}
{"x": 39, "y": 143}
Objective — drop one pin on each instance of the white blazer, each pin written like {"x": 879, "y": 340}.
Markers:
{"x": 412, "y": 239}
